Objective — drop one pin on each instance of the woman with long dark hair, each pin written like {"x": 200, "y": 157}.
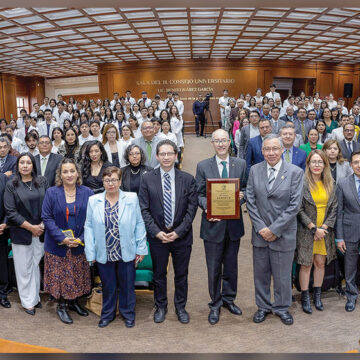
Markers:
{"x": 71, "y": 148}
{"x": 23, "y": 199}
{"x": 323, "y": 134}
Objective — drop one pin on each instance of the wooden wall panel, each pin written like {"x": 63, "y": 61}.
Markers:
{"x": 342, "y": 79}
{"x": 9, "y": 95}
{"x": 325, "y": 83}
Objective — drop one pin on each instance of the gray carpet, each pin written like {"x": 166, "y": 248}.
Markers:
{"x": 332, "y": 330}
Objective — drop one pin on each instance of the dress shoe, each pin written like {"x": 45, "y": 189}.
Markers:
{"x": 260, "y": 316}
{"x": 183, "y": 316}
{"x": 286, "y": 318}
{"x": 5, "y": 303}
{"x": 350, "y": 306}
{"x": 38, "y": 305}
{"x": 74, "y": 306}
{"x": 214, "y": 316}
{"x": 103, "y": 323}
{"x": 317, "y": 299}
{"x": 30, "y": 311}
{"x": 340, "y": 290}
{"x": 232, "y": 308}
{"x": 129, "y": 323}
{"x": 305, "y": 302}
{"x": 64, "y": 316}
{"x": 159, "y": 315}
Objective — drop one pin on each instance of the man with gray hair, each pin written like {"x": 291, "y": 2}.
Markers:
{"x": 273, "y": 197}
{"x": 7, "y": 161}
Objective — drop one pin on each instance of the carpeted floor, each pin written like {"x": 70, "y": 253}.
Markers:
{"x": 332, "y": 330}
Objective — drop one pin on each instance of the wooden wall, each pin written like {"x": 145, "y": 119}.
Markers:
{"x": 191, "y": 77}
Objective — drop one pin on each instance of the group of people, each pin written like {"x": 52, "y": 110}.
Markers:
{"x": 99, "y": 204}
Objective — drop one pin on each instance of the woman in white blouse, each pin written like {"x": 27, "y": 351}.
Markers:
{"x": 166, "y": 133}
{"x": 134, "y": 126}
{"x": 113, "y": 146}
{"x": 127, "y": 110}
{"x": 57, "y": 139}
{"x": 136, "y": 111}
{"x": 176, "y": 123}
{"x": 127, "y": 137}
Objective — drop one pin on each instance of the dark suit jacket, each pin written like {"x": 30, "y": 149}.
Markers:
{"x": 52, "y": 165}
{"x": 152, "y": 204}
{"x": 54, "y": 218}
{"x": 253, "y": 153}
{"x": 126, "y": 176}
{"x": 298, "y": 157}
{"x": 345, "y": 150}
{"x": 244, "y": 139}
{"x": 286, "y": 118}
{"x": 3, "y": 181}
{"x": 308, "y": 126}
{"x": 318, "y": 114}
{"x": 19, "y": 209}
{"x": 215, "y": 231}
{"x": 10, "y": 164}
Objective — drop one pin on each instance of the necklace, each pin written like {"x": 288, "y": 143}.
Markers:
{"x": 134, "y": 172}
{"x": 28, "y": 186}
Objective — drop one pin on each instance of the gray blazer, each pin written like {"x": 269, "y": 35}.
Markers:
{"x": 276, "y": 208}
{"x": 281, "y": 124}
{"x": 208, "y": 169}
{"x": 348, "y": 212}
{"x": 141, "y": 142}
{"x": 343, "y": 170}
{"x": 244, "y": 139}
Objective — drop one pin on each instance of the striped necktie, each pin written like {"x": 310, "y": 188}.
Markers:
{"x": 167, "y": 201}
{"x": 271, "y": 178}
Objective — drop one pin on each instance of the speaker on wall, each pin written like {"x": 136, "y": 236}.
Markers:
{"x": 348, "y": 89}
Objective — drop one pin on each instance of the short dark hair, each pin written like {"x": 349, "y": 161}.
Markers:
{"x": 273, "y": 85}
{"x": 47, "y": 110}
{"x": 357, "y": 152}
{"x": 166, "y": 142}
{"x": 60, "y": 102}
{"x": 44, "y": 136}
{"x": 112, "y": 170}
{"x": 128, "y": 150}
{"x": 31, "y": 135}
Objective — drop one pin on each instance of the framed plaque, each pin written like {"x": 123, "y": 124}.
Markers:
{"x": 223, "y": 198}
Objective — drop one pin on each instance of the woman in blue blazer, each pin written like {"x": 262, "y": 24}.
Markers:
{"x": 115, "y": 237}
{"x": 67, "y": 273}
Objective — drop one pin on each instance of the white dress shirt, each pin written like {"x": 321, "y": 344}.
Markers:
{"x": 254, "y": 131}
{"x": 276, "y": 167}
{"x": 274, "y": 95}
{"x": 172, "y": 182}
{"x": 220, "y": 165}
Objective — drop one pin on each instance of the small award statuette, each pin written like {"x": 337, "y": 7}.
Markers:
{"x": 223, "y": 198}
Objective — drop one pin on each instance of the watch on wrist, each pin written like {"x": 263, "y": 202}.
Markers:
{"x": 313, "y": 230}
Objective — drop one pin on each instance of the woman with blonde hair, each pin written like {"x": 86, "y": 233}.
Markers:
{"x": 315, "y": 232}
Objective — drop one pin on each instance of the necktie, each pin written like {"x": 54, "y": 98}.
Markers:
{"x": 43, "y": 165}
{"x": 303, "y": 130}
{"x": 167, "y": 200}
{"x": 224, "y": 174}
{"x": 275, "y": 127}
{"x": 349, "y": 147}
{"x": 358, "y": 181}
{"x": 271, "y": 178}
{"x": 287, "y": 155}
{"x": 148, "y": 149}
{"x": 2, "y": 163}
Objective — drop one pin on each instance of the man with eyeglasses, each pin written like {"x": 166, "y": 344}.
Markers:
{"x": 168, "y": 202}
{"x": 347, "y": 227}
{"x": 348, "y": 145}
{"x": 221, "y": 237}
{"x": 273, "y": 196}
{"x": 148, "y": 142}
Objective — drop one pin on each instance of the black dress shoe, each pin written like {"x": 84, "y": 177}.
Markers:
{"x": 74, "y": 306}
{"x": 38, "y": 305}
{"x": 129, "y": 323}
{"x": 214, "y": 316}
{"x": 30, "y": 311}
{"x": 286, "y": 318}
{"x": 5, "y": 303}
{"x": 350, "y": 306}
{"x": 159, "y": 315}
{"x": 103, "y": 323}
{"x": 232, "y": 308}
{"x": 260, "y": 316}
{"x": 64, "y": 316}
{"x": 183, "y": 316}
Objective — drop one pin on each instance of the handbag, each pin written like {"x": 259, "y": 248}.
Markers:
{"x": 94, "y": 301}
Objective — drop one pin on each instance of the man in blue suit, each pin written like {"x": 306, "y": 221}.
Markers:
{"x": 7, "y": 161}
{"x": 254, "y": 153}
{"x": 292, "y": 154}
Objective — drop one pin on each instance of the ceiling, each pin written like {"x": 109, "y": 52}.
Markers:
{"x": 58, "y": 42}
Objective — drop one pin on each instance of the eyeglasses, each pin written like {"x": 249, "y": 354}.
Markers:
{"x": 147, "y": 128}
{"x": 134, "y": 153}
{"x": 169, "y": 154}
{"x": 273, "y": 149}
{"x": 348, "y": 130}
{"x": 314, "y": 162}
{"x": 220, "y": 141}
{"x": 111, "y": 181}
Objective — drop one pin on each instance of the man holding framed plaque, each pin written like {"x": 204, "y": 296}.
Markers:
{"x": 219, "y": 181}
{"x": 273, "y": 197}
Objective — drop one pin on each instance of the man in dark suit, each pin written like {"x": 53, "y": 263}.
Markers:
{"x": 221, "y": 237}
{"x": 7, "y": 161}
{"x": 318, "y": 110}
{"x": 254, "y": 149}
{"x": 303, "y": 125}
{"x": 348, "y": 145}
{"x": 168, "y": 202}
{"x": 273, "y": 198}
{"x": 4, "y": 276}
{"x": 289, "y": 115}
{"x": 199, "y": 113}
{"x": 292, "y": 154}
{"x": 46, "y": 161}
{"x": 275, "y": 122}
{"x": 248, "y": 132}
{"x": 347, "y": 227}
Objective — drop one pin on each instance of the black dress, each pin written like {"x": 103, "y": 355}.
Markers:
{"x": 95, "y": 183}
